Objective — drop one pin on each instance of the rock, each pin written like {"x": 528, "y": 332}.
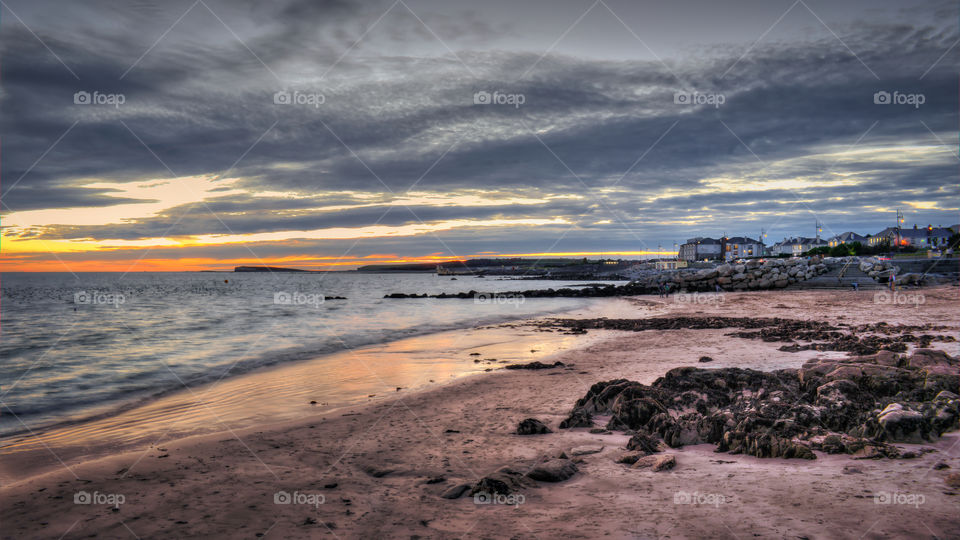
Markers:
{"x": 532, "y": 426}
{"x": 940, "y": 465}
{"x": 656, "y": 463}
{"x": 577, "y": 418}
{"x": 856, "y": 405}
{"x": 586, "y": 450}
{"x": 535, "y": 365}
{"x": 376, "y": 470}
{"x": 903, "y": 425}
{"x": 833, "y": 444}
{"x": 491, "y": 486}
{"x": 953, "y": 480}
{"x": 644, "y": 443}
{"x": 704, "y": 359}
{"x": 553, "y": 470}
{"x": 630, "y": 457}
{"x": 456, "y": 492}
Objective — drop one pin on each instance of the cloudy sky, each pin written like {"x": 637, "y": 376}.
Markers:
{"x": 190, "y": 134}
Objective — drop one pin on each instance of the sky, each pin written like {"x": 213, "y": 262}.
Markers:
{"x": 205, "y": 134}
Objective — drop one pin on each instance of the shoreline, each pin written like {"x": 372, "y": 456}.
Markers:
{"x": 292, "y": 391}
{"x": 379, "y": 454}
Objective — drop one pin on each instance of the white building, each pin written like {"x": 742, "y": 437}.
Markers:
{"x": 848, "y": 237}
{"x": 798, "y": 245}
{"x": 739, "y": 247}
{"x": 700, "y": 248}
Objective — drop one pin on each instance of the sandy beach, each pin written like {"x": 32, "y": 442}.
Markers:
{"x": 378, "y": 468}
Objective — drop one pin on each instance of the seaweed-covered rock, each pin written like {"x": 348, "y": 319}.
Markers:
{"x": 644, "y": 443}
{"x": 577, "y": 418}
{"x": 855, "y": 405}
{"x": 532, "y": 426}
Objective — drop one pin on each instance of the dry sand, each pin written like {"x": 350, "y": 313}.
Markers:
{"x": 373, "y": 463}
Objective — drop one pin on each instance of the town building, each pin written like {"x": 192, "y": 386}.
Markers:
{"x": 740, "y": 247}
{"x": 798, "y": 245}
{"x": 928, "y": 236}
{"x": 700, "y": 248}
{"x": 848, "y": 237}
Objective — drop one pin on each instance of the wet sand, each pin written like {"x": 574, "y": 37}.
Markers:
{"x": 379, "y": 468}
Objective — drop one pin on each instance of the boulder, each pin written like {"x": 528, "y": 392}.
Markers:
{"x": 532, "y": 426}
{"x": 456, "y": 492}
{"x": 643, "y": 443}
{"x": 577, "y": 418}
{"x": 586, "y": 450}
{"x": 903, "y": 425}
{"x": 656, "y": 463}
{"x": 553, "y": 470}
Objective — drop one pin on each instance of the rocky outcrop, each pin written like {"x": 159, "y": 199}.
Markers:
{"x": 750, "y": 276}
{"x": 821, "y": 336}
{"x": 856, "y": 405}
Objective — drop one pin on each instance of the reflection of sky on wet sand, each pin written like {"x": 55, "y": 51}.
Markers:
{"x": 284, "y": 393}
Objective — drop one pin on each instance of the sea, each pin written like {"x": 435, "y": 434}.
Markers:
{"x": 77, "y": 346}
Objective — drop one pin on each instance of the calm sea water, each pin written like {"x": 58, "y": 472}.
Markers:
{"x": 75, "y": 346}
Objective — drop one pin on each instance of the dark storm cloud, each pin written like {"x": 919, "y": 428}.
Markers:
{"x": 200, "y": 101}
